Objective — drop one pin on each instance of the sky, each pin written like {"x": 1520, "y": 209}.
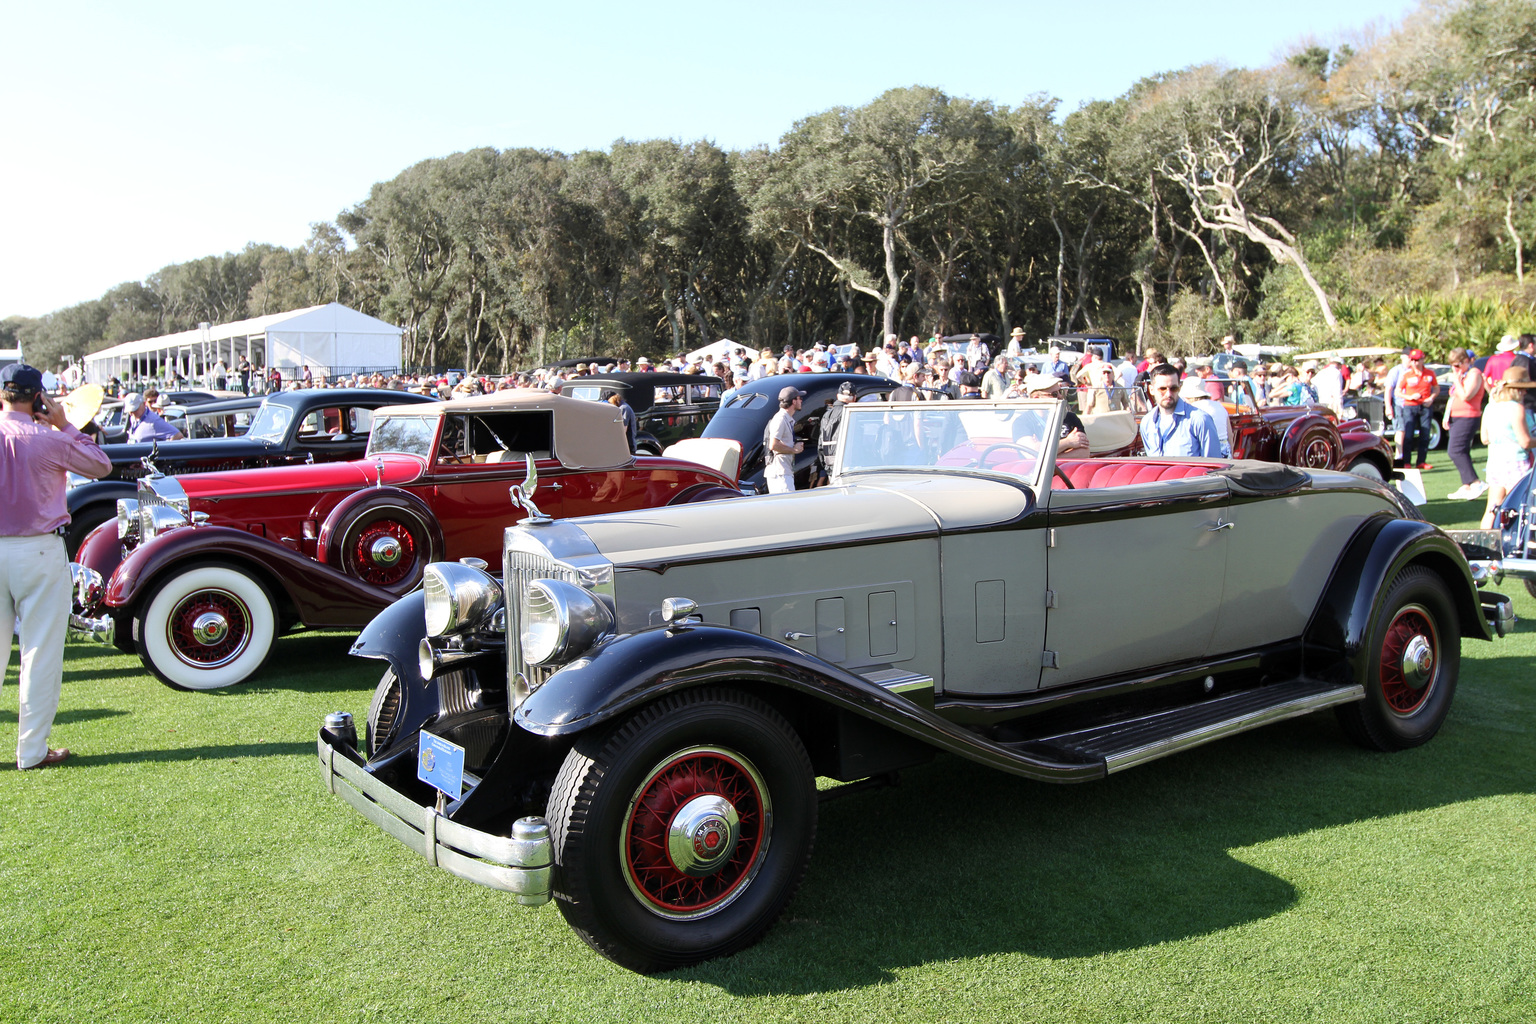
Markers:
{"x": 140, "y": 135}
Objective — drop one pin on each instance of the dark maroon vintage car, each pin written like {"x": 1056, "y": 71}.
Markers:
{"x": 200, "y": 574}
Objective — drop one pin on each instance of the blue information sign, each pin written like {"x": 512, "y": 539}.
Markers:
{"x": 440, "y": 764}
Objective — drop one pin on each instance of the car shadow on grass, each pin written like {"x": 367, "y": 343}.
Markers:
{"x": 209, "y": 752}
{"x": 959, "y": 861}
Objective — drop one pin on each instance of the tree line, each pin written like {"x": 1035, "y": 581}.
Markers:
{"x": 1374, "y": 191}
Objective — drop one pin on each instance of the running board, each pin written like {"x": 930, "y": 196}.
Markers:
{"x": 1121, "y": 745}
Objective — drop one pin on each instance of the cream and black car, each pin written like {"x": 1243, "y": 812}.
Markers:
{"x": 633, "y": 716}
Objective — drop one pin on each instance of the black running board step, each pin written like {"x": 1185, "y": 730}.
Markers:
{"x": 1122, "y": 745}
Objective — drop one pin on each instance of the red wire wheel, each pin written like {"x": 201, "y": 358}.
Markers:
{"x": 1410, "y": 654}
{"x": 696, "y": 832}
{"x": 383, "y": 552}
{"x": 209, "y": 628}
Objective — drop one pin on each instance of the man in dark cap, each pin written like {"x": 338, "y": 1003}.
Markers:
{"x": 831, "y": 424}
{"x": 779, "y": 444}
{"x": 38, "y": 446}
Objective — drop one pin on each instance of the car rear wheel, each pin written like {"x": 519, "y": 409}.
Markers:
{"x": 207, "y": 626}
{"x": 1415, "y": 657}
{"x": 1367, "y": 469}
{"x": 682, "y": 834}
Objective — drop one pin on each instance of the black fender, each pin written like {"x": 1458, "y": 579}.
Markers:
{"x": 97, "y": 492}
{"x": 635, "y": 669}
{"x": 393, "y": 636}
{"x": 1381, "y": 549}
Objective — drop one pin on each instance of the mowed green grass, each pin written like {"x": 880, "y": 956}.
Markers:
{"x": 186, "y": 865}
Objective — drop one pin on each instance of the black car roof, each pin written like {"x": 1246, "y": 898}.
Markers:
{"x": 308, "y": 398}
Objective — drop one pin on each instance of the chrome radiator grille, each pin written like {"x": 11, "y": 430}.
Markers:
{"x": 518, "y": 570}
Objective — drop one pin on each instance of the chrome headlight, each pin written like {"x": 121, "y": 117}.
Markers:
{"x": 157, "y": 519}
{"x": 459, "y": 598}
{"x": 127, "y": 520}
{"x": 559, "y": 621}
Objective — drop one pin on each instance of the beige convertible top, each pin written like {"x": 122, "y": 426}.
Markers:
{"x": 588, "y": 435}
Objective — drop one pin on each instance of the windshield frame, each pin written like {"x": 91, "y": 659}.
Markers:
{"x": 1051, "y": 414}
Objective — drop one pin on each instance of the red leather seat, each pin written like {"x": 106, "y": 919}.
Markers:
{"x": 1092, "y": 473}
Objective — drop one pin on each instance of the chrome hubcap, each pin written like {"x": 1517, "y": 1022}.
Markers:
{"x": 385, "y": 551}
{"x": 703, "y": 835}
{"x": 210, "y": 628}
{"x": 1418, "y": 662}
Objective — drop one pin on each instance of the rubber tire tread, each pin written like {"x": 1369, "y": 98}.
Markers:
{"x": 1369, "y": 723}
{"x": 584, "y": 771}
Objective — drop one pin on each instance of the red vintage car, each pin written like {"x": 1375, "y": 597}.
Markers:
{"x": 202, "y": 573}
{"x": 1305, "y": 436}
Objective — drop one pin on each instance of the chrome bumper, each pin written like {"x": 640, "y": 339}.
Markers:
{"x": 86, "y": 586}
{"x": 1499, "y": 611}
{"x": 522, "y": 864}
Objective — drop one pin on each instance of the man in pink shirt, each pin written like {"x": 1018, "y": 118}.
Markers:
{"x": 37, "y": 447}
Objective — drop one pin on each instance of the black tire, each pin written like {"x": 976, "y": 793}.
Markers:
{"x": 81, "y": 524}
{"x": 383, "y": 712}
{"x": 1367, "y": 469}
{"x": 1530, "y": 587}
{"x": 1407, "y": 698}
{"x": 617, "y": 879}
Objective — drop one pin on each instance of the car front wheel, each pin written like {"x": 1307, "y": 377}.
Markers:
{"x": 207, "y": 626}
{"x": 682, "y": 834}
{"x": 1415, "y": 656}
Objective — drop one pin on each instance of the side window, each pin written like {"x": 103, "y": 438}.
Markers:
{"x": 495, "y": 437}
{"x": 360, "y": 421}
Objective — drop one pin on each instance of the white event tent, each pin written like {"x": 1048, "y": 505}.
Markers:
{"x": 331, "y": 340}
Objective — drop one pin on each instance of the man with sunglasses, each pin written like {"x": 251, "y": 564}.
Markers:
{"x": 1174, "y": 428}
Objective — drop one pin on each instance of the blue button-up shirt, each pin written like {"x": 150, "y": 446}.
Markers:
{"x": 1187, "y": 433}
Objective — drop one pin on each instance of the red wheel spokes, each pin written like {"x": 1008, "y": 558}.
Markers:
{"x": 192, "y": 649}
{"x": 1401, "y": 694}
{"x": 362, "y": 553}
{"x": 645, "y": 845}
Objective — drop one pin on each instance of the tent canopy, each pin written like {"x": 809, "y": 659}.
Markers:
{"x": 332, "y": 339}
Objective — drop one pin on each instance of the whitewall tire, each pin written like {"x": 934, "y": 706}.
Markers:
{"x": 207, "y": 626}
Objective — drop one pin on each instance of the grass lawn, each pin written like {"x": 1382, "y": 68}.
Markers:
{"x": 185, "y": 865}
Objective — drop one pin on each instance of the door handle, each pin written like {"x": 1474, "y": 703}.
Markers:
{"x": 1218, "y": 526}
{"x": 795, "y": 635}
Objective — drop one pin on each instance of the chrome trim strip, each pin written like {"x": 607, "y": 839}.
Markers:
{"x": 1231, "y": 727}
{"x": 523, "y": 867}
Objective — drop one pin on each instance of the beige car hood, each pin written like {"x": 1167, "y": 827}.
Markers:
{"x": 882, "y": 507}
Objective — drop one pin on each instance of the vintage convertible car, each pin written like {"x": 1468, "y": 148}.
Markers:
{"x": 634, "y": 714}
{"x": 315, "y": 425}
{"x": 219, "y": 564}
{"x": 1308, "y": 436}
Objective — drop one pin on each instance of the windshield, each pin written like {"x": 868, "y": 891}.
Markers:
{"x": 405, "y": 435}
{"x": 271, "y": 422}
{"x": 1003, "y": 437}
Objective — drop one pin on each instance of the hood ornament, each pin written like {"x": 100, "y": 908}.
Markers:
{"x": 378, "y": 466}
{"x": 522, "y": 495}
{"x": 148, "y": 461}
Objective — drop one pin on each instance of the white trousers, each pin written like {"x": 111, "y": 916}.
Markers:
{"x": 35, "y": 592}
{"x": 779, "y": 477}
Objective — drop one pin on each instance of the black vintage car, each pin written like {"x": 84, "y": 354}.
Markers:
{"x": 669, "y": 407}
{"x": 317, "y": 425}
{"x": 745, "y": 412}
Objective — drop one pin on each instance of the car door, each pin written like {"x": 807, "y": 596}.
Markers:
{"x": 1136, "y": 571}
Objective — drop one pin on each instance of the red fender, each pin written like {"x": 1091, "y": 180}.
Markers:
{"x": 321, "y": 595}
{"x": 1311, "y": 442}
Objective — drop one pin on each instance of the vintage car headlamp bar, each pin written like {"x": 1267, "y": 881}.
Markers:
{"x": 459, "y": 598}
{"x": 559, "y": 620}
{"x": 127, "y": 520}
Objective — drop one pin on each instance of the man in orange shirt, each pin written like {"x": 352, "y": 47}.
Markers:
{"x": 1415, "y": 396}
